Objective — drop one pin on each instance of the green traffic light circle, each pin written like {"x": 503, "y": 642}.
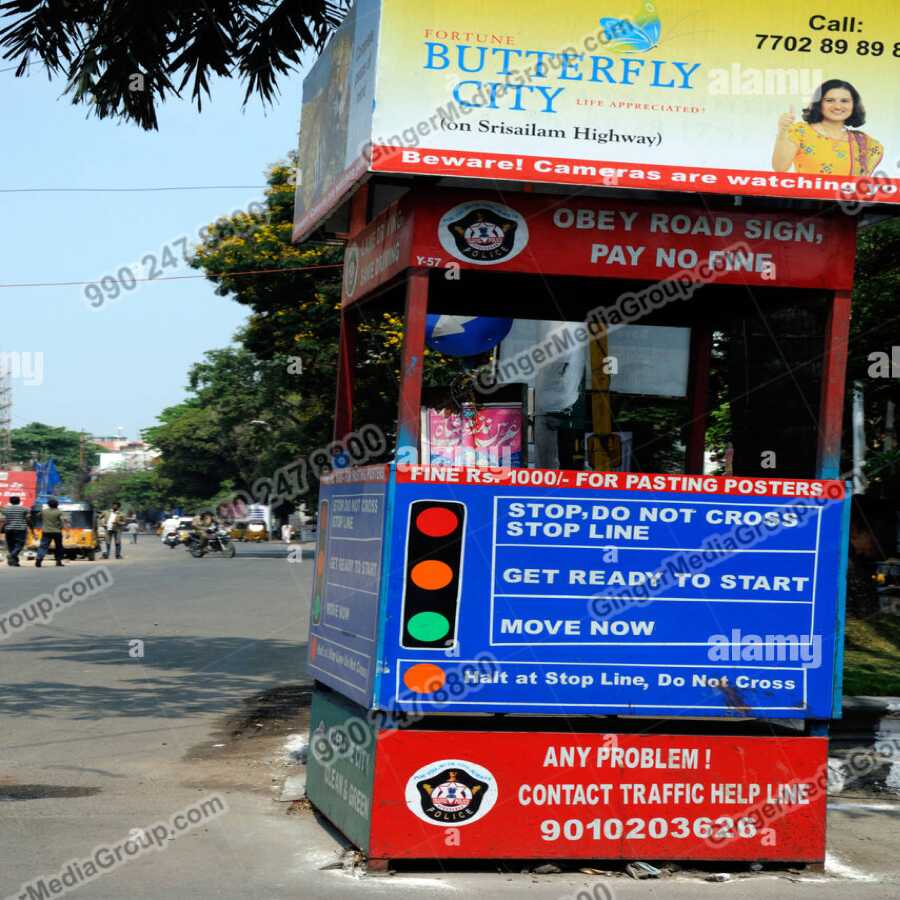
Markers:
{"x": 428, "y": 626}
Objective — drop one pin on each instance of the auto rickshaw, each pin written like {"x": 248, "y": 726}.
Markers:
{"x": 887, "y": 584}
{"x": 238, "y": 531}
{"x": 80, "y": 538}
{"x": 256, "y": 531}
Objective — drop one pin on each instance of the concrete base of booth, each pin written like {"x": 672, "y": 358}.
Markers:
{"x": 504, "y": 788}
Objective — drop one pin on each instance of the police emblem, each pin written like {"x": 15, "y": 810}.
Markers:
{"x": 451, "y": 792}
{"x": 351, "y": 271}
{"x": 483, "y": 233}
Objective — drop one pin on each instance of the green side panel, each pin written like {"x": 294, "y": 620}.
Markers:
{"x": 340, "y": 770}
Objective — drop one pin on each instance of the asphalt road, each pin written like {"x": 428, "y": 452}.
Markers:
{"x": 97, "y": 740}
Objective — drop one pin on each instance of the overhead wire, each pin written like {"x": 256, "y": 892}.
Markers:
{"x": 113, "y": 190}
{"x": 30, "y": 284}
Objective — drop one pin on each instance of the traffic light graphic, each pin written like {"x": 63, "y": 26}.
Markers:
{"x": 319, "y": 578}
{"x": 434, "y": 551}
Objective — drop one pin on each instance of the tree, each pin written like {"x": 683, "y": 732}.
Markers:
{"x": 124, "y": 57}
{"x": 138, "y": 492}
{"x": 38, "y": 442}
{"x": 243, "y": 420}
{"x": 292, "y": 332}
{"x": 268, "y": 402}
{"x": 194, "y": 460}
{"x": 293, "y": 293}
{"x": 874, "y": 332}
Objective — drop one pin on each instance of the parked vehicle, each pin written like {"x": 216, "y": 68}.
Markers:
{"x": 259, "y": 522}
{"x": 887, "y": 585}
{"x": 256, "y": 531}
{"x": 81, "y": 538}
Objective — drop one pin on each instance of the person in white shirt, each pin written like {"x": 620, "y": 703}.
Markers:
{"x": 113, "y": 520}
{"x": 171, "y": 524}
{"x": 133, "y": 528}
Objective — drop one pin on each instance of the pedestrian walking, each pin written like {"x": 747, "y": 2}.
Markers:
{"x": 133, "y": 528}
{"x": 52, "y": 523}
{"x": 113, "y": 521}
{"x": 15, "y": 526}
{"x": 286, "y": 533}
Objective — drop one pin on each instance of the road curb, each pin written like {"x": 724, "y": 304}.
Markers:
{"x": 876, "y": 706}
{"x": 864, "y": 750}
{"x": 280, "y": 553}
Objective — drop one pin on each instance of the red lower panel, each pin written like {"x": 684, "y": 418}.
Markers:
{"x": 440, "y": 794}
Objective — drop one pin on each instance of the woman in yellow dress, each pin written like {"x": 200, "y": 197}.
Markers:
{"x": 827, "y": 141}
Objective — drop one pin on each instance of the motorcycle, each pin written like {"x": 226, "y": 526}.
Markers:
{"x": 218, "y": 541}
{"x": 177, "y": 537}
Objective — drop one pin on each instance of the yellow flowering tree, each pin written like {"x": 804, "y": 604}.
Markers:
{"x": 292, "y": 293}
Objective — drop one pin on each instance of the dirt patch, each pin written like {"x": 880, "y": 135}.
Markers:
{"x": 44, "y": 792}
{"x": 271, "y": 714}
{"x": 246, "y": 750}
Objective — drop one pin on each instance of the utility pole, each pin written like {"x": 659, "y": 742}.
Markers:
{"x": 5, "y": 417}
{"x": 82, "y": 471}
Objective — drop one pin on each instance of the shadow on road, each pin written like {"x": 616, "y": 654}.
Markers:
{"x": 178, "y": 676}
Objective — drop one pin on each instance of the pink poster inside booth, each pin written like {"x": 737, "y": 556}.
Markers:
{"x": 489, "y": 435}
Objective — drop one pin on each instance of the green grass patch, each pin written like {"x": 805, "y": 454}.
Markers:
{"x": 872, "y": 656}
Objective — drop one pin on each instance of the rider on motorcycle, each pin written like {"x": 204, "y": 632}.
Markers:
{"x": 202, "y": 524}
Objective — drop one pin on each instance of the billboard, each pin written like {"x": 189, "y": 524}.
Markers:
{"x": 685, "y": 95}
{"x": 548, "y": 234}
{"x": 571, "y": 795}
{"x": 605, "y": 593}
{"x": 18, "y": 484}
{"x": 533, "y": 791}
{"x": 346, "y": 582}
{"x": 678, "y": 94}
{"x": 338, "y": 95}
{"x": 538, "y": 591}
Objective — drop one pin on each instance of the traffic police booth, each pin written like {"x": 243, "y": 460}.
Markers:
{"x": 515, "y": 660}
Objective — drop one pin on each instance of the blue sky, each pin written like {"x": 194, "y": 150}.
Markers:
{"x": 119, "y": 366}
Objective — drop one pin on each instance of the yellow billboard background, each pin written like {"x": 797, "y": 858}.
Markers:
{"x": 691, "y": 83}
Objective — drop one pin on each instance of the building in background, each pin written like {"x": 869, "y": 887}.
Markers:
{"x": 116, "y": 442}
{"x": 129, "y": 459}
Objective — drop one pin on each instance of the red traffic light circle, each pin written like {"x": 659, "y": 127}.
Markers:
{"x": 437, "y": 521}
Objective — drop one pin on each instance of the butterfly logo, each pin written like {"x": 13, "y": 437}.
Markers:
{"x": 625, "y": 35}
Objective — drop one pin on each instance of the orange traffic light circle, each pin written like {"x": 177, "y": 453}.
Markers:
{"x": 431, "y": 575}
{"x": 424, "y": 678}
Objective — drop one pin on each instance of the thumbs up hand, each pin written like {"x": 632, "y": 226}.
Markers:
{"x": 785, "y": 120}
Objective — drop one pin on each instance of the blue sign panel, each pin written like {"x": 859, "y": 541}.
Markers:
{"x": 600, "y": 593}
{"x": 344, "y": 615}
